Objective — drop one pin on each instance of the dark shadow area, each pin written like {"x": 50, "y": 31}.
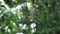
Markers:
{"x": 57, "y": 32}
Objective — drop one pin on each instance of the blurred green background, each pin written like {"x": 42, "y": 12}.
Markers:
{"x": 29, "y": 16}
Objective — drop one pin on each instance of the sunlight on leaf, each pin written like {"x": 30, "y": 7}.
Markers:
{"x": 24, "y": 26}
{"x": 33, "y": 25}
{"x": 19, "y": 33}
{"x": 20, "y": 25}
{"x": 9, "y": 30}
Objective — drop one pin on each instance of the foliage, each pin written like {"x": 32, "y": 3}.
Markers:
{"x": 16, "y": 16}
